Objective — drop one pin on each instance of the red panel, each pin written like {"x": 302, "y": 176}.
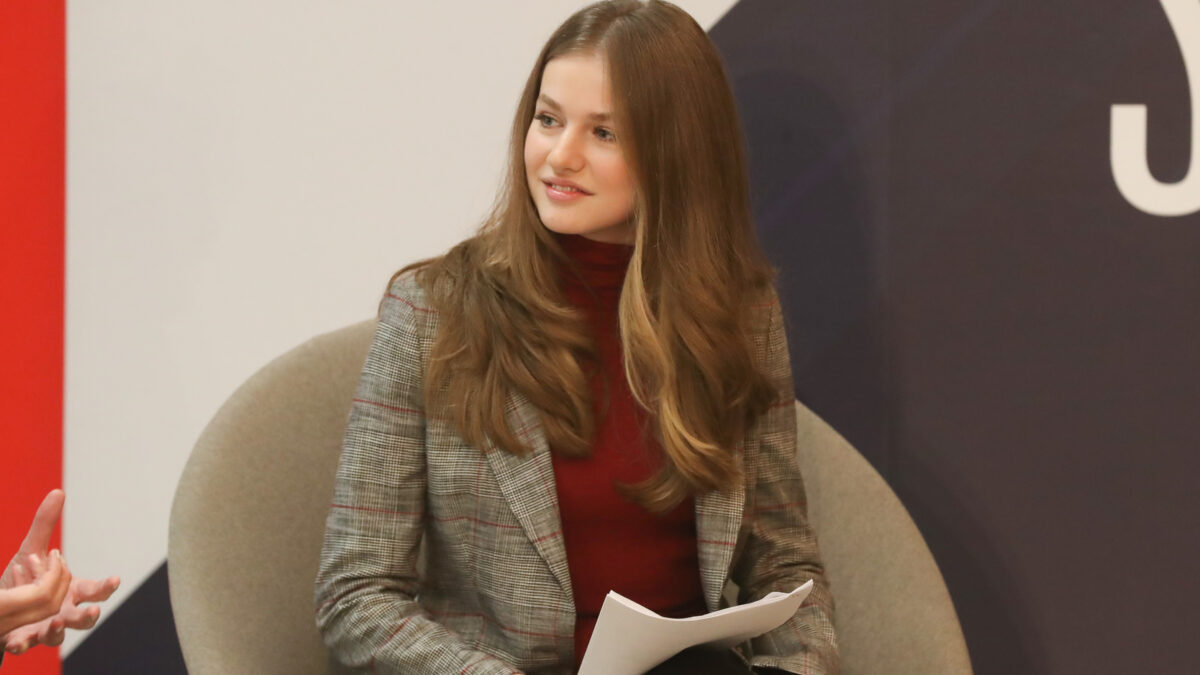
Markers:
{"x": 32, "y": 157}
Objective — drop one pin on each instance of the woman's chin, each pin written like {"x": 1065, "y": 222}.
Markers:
{"x": 613, "y": 234}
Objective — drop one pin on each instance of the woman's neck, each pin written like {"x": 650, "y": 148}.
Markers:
{"x": 597, "y": 265}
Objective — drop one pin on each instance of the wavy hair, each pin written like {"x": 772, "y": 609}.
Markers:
{"x": 687, "y": 306}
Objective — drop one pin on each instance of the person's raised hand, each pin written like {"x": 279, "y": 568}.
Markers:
{"x": 69, "y": 605}
{"x": 72, "y": 614}
{"x": 39, "y": 588}
{"x": 37, "y": 540}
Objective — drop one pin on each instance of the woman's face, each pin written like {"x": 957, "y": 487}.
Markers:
{"x": 573, "y": 159}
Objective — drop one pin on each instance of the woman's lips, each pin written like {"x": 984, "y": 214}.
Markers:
{"x": 564, "y": 192}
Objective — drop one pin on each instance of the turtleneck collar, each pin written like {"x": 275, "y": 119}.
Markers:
{"x": 600, "y": 265}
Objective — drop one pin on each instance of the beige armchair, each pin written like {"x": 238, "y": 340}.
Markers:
{"x": 249, "y": 513}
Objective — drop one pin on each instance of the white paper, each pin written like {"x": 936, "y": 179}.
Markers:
{"x": 630, "y": 639}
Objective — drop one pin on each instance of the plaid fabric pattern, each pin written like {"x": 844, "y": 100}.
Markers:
{"x": 496, "y": 595}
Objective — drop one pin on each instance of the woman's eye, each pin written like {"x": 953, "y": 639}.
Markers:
{"x": 605, "y": 134}
{"x": 544, "y": 119}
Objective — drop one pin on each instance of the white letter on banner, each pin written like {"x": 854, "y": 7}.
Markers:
{"x": 1128, "y": 138}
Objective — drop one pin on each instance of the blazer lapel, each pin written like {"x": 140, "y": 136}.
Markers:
{"x": 528, "y": 486}
{"x": 718, "y": 520}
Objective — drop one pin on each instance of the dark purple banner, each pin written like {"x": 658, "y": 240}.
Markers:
{"x": 986, "y": 219}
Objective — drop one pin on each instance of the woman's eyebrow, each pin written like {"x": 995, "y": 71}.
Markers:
{"x": 595, "y": 117}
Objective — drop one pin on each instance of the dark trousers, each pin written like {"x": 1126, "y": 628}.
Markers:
{"x": 703, "y": 661}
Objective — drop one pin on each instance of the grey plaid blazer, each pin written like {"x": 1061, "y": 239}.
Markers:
{"x": 496, "y": 593}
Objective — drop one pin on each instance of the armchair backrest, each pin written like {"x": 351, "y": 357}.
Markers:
{"x": 249, "y": 513}
{"x": 893, "y": 613}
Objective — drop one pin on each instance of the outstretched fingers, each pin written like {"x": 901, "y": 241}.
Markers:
{"x": 79, "y": 618}
{"x": 86, "y": 590}
{"x": 94, "y": 590}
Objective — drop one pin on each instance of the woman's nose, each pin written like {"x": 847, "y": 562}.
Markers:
{"x": 567, "y": 153}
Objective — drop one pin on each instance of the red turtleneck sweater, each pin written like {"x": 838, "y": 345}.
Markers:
{"x": 612, "y": 543}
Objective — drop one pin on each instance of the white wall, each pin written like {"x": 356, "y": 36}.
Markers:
{"x": 240, "y": 177}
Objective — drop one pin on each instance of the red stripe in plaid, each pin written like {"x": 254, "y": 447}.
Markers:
{"x": 390, "y": 638}
{"x": 486, "y": 619}
{"x": 552, "y": 535}
{"x": 407, "y": 302}
{"x": 524, "y": 431}
{"x": 795, "y": 626}
{"x": 389, "y": 407}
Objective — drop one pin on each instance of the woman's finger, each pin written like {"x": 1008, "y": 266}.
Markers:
{"x": 80, "y": 618}
{"x": 58, "y": 575}
{"x": 20, "y": 639}
{"x": 92, "y": 590}
{"x": 21, "y": 575}
{"x": 35, "y": 565}
{"x": 37, "y": 540}
{"x": 52, "y": 633}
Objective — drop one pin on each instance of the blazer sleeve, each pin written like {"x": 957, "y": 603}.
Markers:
{"x": 781, "y": 547}
{"x": 367, "y": 582}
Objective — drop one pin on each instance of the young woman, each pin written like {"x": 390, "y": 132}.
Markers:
{"x": 591, "y": 394}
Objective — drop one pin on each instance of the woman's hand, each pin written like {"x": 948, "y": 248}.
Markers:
{"x": 32, "y": 590}
{"x": 50, "y": 632}
{"x": 37, "y": 540}
{"x": 33, "y": 562}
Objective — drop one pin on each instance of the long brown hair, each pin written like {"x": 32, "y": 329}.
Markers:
{"x": 687, "y": 307}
